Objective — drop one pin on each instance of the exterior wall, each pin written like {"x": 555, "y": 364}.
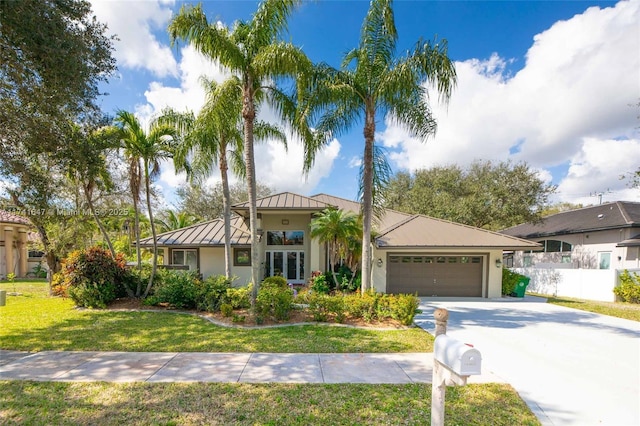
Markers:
{"x": 293, "y": 222}
{"x": 13, "y": 253}
{"x": 584, "y": 254}
{"x": 491, "y": 274}
{"x": 591, "y": 284}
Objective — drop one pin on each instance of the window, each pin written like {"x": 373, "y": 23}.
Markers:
{"x": 527, "y": 261}
{"x": 185, "y": 257}
{"x": 241, "y": 257}
{"x": 555, "y": 246}
{"x": 285, "y": 238}
{"x": 566, "y": 258}
{"x": 604, "y": 260}
{"x": 36, "y": 253}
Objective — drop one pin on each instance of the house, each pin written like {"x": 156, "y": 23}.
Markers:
{"x": 412, "y": 253}
{"x": 584, "y": 250}
{"x": 14, "y": 257}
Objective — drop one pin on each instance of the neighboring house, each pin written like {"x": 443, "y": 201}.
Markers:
{"x": 14, "y": 231}
{"x": 583, "y": 252}
{"x": 412, "y": 253}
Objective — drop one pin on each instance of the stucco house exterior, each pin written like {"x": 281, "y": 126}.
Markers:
{"x": 14, "y": 231}
{"x": 584, "y": 250}
{"x": 412, "y": 253}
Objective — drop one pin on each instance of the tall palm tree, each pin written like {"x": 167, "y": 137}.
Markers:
{"x": 214, "y": 135}
{"x": 372, "y": 83}
{"x": 336, "y": 228}
{"x": 252, "y": 51}
{"x": 148, "y": 148}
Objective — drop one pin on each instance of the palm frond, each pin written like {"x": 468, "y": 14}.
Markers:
{"x": 269, "y": 22}
{"x": 382, "y": 174}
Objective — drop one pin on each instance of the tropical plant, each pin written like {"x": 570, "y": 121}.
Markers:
{"x": 169, "y": 220}
{"x": 336, "y": 228}
{"x": 149, "y": 148}
{"x": 213, "y": 136}
{"x": 378, "y": 83}
{"x": 252, "y": 51}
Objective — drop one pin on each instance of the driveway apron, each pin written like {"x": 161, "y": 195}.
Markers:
{"x": 571, "y": 367}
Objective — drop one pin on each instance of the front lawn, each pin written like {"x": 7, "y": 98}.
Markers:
{"x": 249, "y": 404}
{"x": 628, "y": 311}
{"x": 35, "y": 322}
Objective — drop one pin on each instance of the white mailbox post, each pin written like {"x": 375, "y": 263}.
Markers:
{"x": 453, "y": 363}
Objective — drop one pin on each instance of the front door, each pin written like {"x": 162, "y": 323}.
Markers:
{"x": 287, "y": 263}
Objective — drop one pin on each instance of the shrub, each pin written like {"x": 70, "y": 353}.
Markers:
{"x": 212, "y": 293}
{"x": 509, "y": 281}
{"x": 321, "y": 306}
{"x": 276, "y": 281}
{"x": 177, "y": 288}
{"x": 238, "y": 297}
{"x": 404, "y": 308}
{"x": 91, "y": 277}
{"x": 226, "y": 309}
{"x": 274, "y": 300}
{"x": 629, "y": 288}
{"x": 363, "y": 306}
{"x": 319, "y": 284}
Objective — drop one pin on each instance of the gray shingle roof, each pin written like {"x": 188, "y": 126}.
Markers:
{"x": 620, "y": 214}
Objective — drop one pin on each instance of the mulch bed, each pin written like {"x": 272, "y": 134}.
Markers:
{"x": 298, "y": 316}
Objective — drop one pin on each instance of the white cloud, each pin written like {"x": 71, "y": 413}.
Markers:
{"x": 576, "y": 88}
{"x": 134, "y": 23}
{"x": 355, "y": 162}
{"x": 282, "y": 169}
{"x": 598, "y": 167}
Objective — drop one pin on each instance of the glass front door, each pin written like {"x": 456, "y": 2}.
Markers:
{"x": 288, "y": 263}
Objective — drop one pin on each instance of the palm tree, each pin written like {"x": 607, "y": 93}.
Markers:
{"x": 336, "y": 228}
{"x": 251, "y": 50}
{"x": 211, "y": 137}
{"x": 373, "y": 82}
{"x": 149, "y": 148}
{"x": 171, "y": 220}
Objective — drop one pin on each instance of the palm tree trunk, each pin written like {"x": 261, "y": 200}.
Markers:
{"x": 154, "y": 266}
{"x": 249, "y": 115}
{"x": 136, "y": 230}
{"x": 367, "y": 198}
{"x": 87, "y": 194}
{"x": 226, "y": 207}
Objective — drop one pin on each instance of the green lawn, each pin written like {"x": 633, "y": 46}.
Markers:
{"x": 628, "y": 311}
{"x": 253, "y": 404}
{"x": 34, "y": 322}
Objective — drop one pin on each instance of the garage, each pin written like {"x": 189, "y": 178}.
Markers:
{"x": 435, "y": 276}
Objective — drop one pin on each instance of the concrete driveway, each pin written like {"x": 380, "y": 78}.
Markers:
{"x": 571, "y": 367}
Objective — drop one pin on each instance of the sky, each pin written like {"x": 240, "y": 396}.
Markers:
{"x": 555, "y": 84}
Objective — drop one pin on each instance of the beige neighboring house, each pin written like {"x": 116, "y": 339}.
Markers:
{"x": 583, "y": 250}
{"x": 14, "y": 255}
{"x": 411, "y": 254}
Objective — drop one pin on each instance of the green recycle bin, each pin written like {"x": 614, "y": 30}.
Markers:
{"x": 521, "y": 287}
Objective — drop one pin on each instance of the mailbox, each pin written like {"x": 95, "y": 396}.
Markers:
{"x": 458, "y": 357}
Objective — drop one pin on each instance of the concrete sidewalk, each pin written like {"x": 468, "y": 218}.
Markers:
{"x": 221, "y": 367}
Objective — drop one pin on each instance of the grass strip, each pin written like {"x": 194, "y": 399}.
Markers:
{"x": 254, "y": 404}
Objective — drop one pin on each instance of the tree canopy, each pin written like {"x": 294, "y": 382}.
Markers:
{"x": 486, "y": 194}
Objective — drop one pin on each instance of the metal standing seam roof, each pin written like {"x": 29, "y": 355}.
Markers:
{"x": 615, "y": 215}
{"x": 390, "y": 218}
{"x": 420, "y": 231}
{"x": 209, "y": 233}
{"x": 283, "y": 201}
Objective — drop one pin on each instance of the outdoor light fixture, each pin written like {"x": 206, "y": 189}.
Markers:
{"x": 379, "y": 262}
{"x": 498, "y": 263}
{"x": 285, "y": 221}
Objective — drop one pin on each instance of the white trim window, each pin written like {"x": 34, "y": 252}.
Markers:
{"x": 604, "y": 260}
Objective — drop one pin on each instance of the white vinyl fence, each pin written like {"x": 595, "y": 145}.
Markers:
{"x": 591, "y": 284}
